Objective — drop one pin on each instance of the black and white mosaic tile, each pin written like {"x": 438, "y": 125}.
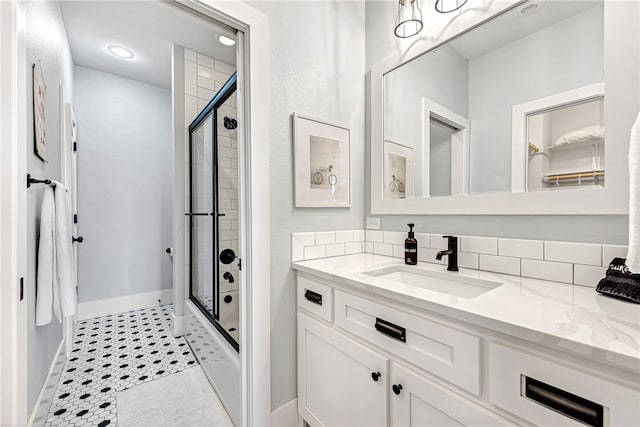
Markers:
{"x": 111, "y": 354}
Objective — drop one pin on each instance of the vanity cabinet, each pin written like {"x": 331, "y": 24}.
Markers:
{"x": 340, "y": 382}
{"x": 367, "y": 361}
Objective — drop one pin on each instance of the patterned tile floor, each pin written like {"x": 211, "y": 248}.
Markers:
{"x": 111, "y": 354}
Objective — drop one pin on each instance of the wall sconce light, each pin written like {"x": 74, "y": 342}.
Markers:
{"x": 409, "y": 19}
{"x": 447, "y": 6}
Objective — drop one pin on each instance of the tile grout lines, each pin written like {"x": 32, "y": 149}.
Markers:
{"x": 111, "y": 354}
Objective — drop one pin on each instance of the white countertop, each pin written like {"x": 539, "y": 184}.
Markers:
{"x": 572, "y": 318}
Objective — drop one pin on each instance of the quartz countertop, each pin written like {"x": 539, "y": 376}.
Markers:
{"x": 571, "y": 318}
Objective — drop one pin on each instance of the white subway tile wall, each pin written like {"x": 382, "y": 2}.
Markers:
{"x": 203, "y": 77}
{"x": 305, "y": 246}
{"x": 581, "y": 264}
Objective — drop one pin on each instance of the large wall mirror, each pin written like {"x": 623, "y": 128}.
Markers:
{"x": 527, "y": 109}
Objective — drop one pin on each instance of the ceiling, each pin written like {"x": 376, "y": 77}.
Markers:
{"x": 513, "y": 25}
{"x": 147, "y": 28}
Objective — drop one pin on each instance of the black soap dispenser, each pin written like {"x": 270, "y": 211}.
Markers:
{"x": 411, "y": 248}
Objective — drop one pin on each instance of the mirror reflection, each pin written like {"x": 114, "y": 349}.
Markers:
{"x": 516, "y": 104}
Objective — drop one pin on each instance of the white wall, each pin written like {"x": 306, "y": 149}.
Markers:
{"x": 317, "y": 68}
{"x": 46, "y": 42}
{"x": 563, "y": 56}
{"x": 380, "y": 42}
{"x": 124, "y": 185}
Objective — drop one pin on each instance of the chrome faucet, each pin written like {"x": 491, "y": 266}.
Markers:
{"x": 451, "y": 253}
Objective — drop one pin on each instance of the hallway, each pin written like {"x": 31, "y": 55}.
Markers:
{"x": 112, "y": 354}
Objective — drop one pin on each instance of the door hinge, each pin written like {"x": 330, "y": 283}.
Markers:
{"x": 75, "y": 218}
{"x": 75, "y": 146}
{"x": 21, "y": 288}
{"x": 240, "y": 264}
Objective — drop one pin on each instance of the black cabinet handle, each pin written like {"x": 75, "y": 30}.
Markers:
{"x": 566, "y": 403}
{"x": 313, "y": 296}
{"x": 79, "y": 239}
{"x": 397, "y": 388}
{"x": 394, "y": 331}
{"x": 375, "y": 376}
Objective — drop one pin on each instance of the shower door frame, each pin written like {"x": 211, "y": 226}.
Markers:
{"x": 210, "y": 110}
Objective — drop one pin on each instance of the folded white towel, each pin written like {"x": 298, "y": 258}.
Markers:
{"x": 580, "y": 136}
{"x": 633, "y": 255}
{"x": 47, "y": 276}
{"x": 64, "y": 252}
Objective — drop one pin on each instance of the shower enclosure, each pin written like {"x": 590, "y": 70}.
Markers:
{"x": 213, "y": 210}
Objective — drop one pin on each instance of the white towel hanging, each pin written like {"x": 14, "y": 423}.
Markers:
{"x": 47, "y": 276}
{"x": 633, "y": 255}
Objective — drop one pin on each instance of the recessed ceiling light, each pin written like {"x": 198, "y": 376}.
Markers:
{"x": 227, "y": 41}
{"x": 121, "y": 52}
{"x": 530, "y": 8}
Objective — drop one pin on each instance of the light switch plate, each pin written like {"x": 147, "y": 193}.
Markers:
{"x": 373, "y": 223}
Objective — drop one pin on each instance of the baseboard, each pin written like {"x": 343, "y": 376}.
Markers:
{"x": 106, "y": 307}
{"x": 177, "y": 325}
{"x": 43, "y": 403}
{"x": 286, "y": 415}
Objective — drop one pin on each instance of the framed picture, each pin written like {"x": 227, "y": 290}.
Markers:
{"x": 398, "y": 170}
{"x": 39, "y": 123}
{"x": 322, "y": 163}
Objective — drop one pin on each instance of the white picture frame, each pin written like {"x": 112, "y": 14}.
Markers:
{"x": 398, "y": 170}
{"x": 322, "y": 163}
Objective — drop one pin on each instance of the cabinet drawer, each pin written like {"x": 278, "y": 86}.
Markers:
{"x": 340, "y": 382}
{"x": 418, "y": 402}
{"x": 448, "y": 353}
{"x": 315, "y": 298}
{"x": 546, "y": 393}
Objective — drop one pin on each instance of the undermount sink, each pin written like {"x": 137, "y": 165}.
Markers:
{"x": 444, "y": 282}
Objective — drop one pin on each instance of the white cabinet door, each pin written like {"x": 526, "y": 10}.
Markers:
{"x": 340, "y": 382}
{"x": 416, "y": 401}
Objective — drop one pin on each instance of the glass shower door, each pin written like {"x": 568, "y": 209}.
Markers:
{"x": 214, "y": 270}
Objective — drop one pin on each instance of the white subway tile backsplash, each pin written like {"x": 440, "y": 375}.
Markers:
{"x": 325, "y": 238}
{"x": 306, "y": 239}
{"x": 205, "y": 93}
{"x": 438, "y": 242}
{"x": 468, "y": 260}
{"x": 429, "y": 255}
{"x": 424, "y": 240}
{"x": 297, "y": 249}
{"x": 533, "y": 249}
{"x": 353, "y": 248}
{"x": 579, "y": 253}
{"x": 394, "y": 237}
{"x": 205, "y": 72}
{"x": 547, "y": 270}
{"x": 398, "y": 251}
{"x": 206, "y": 83}
{"x": 336, "y": 249}
{"x": 588, "y": 275}
{"x": 481, "y": 245}
{"x": 375, "y": 236}
{"x": 382, "y": 249}
{"x": 368, "y": 247}
{"x": 344, "y": 236}
{"x": 314, "y": 252}
{"x": 358, "y": 235}
{"x": 500, "y": 264}
{"x": 609, "y": 252}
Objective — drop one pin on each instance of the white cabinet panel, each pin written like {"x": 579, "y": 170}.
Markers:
{"x": 420, "y": 403}
{"x": 335, "y": 382}
{"x": 315, "y": 297}
{"x": 509, "y": 368}
{"x": 446, "y": 352}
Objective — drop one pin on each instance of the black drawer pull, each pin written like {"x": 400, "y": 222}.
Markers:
{"x": 566, "y": 403}
{"x": 313, "y": 296}
{"x": 391, "y": 330}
